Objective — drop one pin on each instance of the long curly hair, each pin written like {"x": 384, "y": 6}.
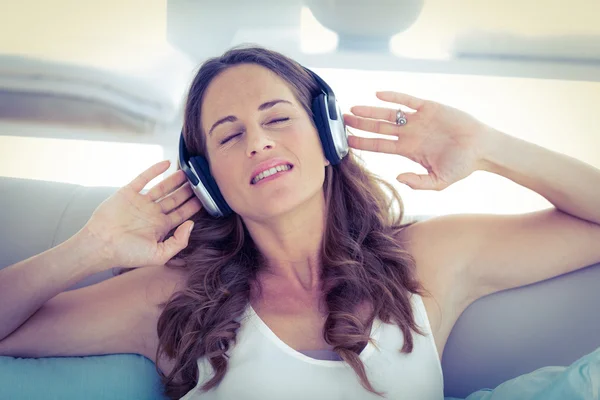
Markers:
{"x": 362, "y": 259}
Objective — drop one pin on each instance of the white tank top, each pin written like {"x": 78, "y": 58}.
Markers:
{"x": 262, "y": 366}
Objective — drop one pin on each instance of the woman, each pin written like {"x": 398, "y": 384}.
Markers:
{"x": 313, "y": 258}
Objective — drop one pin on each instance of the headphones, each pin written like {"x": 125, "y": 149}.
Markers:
{"x": 332, "y": 132}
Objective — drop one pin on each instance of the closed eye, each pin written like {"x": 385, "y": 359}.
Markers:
{"x": 227, "y": 139}
{"x": 237, "y": 134}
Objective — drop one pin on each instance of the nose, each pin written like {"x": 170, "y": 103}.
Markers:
{"x": 258, "y": 141}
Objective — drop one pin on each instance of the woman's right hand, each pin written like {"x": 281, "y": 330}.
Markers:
{"x": 131, "y": 226}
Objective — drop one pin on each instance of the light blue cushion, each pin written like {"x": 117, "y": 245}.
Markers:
{"x": 579, "y": 381}
{"x": 115, "y": 376}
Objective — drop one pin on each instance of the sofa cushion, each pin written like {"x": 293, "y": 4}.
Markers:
{"x": 116, "y": 376}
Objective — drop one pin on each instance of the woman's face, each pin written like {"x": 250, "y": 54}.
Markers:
{"x": 251, "y": 116}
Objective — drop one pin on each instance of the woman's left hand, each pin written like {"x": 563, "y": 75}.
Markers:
{"x": 448, "y": 142}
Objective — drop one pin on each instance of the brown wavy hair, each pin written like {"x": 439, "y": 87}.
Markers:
{"x": 362, "y": 258}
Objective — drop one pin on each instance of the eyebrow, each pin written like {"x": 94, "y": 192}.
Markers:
{"x": 233, "y": 118}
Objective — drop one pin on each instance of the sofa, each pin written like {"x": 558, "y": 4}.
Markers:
{"x": 498, "y": 337}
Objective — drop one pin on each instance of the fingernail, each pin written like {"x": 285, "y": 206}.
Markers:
{"x": 191, "y": 227}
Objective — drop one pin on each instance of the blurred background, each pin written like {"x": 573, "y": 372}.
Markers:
{"x": 91, "y": 91}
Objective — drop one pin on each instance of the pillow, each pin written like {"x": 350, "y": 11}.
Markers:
{"x": 580, "y": 380}
{"x": 114, "y": 376}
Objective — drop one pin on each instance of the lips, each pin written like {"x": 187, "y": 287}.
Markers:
{"x": 271, "y": 174}
{"x": 268, "y": 164}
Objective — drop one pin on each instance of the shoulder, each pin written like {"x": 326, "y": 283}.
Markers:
{"x": 162, "y": 282}
{"x": 158, "y": 284}
{"x": 153, "y": 284}
{"x": 435, "y": 245}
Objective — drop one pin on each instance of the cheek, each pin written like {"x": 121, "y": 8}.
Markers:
{"x": 308, "y": 139}
{"x": 225, "y": 174}
{"x": 314, "y": 148}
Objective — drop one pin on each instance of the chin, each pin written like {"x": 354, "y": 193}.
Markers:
{"x": 268, "y": 211}
{"x": 279, "y": 206}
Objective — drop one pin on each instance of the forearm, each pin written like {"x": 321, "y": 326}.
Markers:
{"x": 27, "y": 285}
{"x": 572, "y": 186}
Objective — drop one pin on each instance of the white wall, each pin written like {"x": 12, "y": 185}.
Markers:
{"x": 115, "y": 34}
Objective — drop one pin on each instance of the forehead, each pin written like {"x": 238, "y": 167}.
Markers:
{"x": 242, "y": 86}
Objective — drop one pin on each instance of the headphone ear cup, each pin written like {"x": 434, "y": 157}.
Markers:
{"x": 323, "y": 127}
{"x": 206, "y": 179}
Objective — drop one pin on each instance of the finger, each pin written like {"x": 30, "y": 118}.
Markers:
{"x": 186, "y": 211}
{"x": 421, "y": 182}
{"x": 173, "y": 245}
{"x": 402, "y": 98}
{"x": 372, "y": 125}
{"x": 166, "y": 186}
{"x": 175, "y": 199}
{"x": 371, "y": 144}
{"x": 387, "y": 114}
{"x": 145, "y": 177}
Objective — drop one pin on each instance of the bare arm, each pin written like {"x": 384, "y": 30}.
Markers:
{"x": 127, "y": 229}
{"x": 27, "y": 285}
{"x": 118, "y": 315}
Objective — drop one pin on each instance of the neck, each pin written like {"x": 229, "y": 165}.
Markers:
{"x": 291, "y": 244}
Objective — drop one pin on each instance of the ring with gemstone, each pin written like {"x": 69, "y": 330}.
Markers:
{"x": 400, "y": 117}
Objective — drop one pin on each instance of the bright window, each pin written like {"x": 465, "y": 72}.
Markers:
{"x": 84, "y": 162}
{"x": 559, "y": 115}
